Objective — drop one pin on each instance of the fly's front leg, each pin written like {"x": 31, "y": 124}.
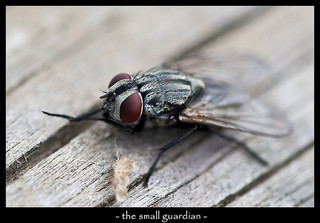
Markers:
{"x": 106, "y": 119}
{"x": 137, "y": 128}
{"x": 166, "y": 148}
{"x": 79, "y": 118}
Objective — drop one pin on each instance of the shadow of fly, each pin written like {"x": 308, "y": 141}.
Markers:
{"x": 196, "y": 92}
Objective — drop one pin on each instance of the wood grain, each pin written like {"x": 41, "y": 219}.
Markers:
{"x": 61, "y": 56}
{"x": 293, "y": 185}
{"x": 127, "y": 45}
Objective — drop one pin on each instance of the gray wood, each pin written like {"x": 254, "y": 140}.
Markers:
{"x": 52, "y": 163}
{"x": 291, "y": 186}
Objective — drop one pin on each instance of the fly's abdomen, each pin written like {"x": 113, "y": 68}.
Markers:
{"x": 165, "y": 90}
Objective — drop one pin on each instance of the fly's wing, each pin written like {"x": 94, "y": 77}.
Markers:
{"x": 246, "y": 69}
{"x": 223, "y": 105}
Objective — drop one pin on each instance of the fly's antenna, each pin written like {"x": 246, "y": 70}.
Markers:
{"x": 105, "y": 95}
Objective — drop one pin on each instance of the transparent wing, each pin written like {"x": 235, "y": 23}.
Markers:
{"x": 244, "y": 69}
{"x": 222, "y": 104}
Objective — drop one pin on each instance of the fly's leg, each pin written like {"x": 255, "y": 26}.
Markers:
{"x": 79, "y": 118}
{"x": 106, "y": 119}
{"x": 133, "y": 130}
{"x": 164, "y": 149}
{"x": 243, "y": 146}
{"x": 139, "y": 127}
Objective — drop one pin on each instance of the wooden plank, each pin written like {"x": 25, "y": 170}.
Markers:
{"x": 85, "y": 163}
{"x": 79, "y": 173}
{"x": 113, "y": 43}
{"x": 291, "y": 186}
{"x": 38, "y": 37}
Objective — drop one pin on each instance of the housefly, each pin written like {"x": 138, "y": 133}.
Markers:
{"x": 195, "y": 91}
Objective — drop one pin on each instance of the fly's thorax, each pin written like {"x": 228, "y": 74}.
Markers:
{"x": 163, "y": 91}
{"x": 123, "y": 100}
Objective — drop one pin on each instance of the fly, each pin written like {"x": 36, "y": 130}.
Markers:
{"x": 177, "y": 93}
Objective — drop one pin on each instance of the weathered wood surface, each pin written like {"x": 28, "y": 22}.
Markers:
{"x": 59, "y": 57}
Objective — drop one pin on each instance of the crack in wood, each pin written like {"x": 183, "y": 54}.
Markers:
{"x": 263, "y": 177}
{"x": 60, "y": 138}
{"x": 227, "y": 28}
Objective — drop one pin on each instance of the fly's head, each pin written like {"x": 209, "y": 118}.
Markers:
{"x": 123, "y": 101}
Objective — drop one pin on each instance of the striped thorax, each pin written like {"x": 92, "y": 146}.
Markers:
{"x": 156, "y": 94}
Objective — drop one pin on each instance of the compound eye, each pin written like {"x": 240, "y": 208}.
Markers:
{"x": 130, "y": 109}
{"x": 119, "y": 77}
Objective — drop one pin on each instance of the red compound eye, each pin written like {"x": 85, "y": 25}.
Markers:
{"x": 119, "y": 77}
{"x": 130, "y": 109}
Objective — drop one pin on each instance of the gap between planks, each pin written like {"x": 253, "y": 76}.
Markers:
{"x": 265, "y": 176}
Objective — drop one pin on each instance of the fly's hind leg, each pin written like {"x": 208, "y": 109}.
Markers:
{"x": 243, "y": 146}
